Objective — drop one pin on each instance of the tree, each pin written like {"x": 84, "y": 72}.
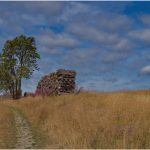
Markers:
{"x": 19, "y": 57}
{"x": 5, "y": 79}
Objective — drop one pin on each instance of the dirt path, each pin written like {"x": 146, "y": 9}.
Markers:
{"x": 24, "y": 135}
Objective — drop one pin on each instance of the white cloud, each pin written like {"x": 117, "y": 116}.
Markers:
{"x": 141, "y": 34}
{"x": 82, "y": 57}
{"x": 51, "y": 51}
{"x": 145, "y": 19}
{"x": 74, "y": 8}
{"x": 113, "y": 56}
{"x": 93, "y": 34}
{"x": 45, "y": 7}
{"x": 55, "y": 40}
{"x": 145, "y": 70}
{"x": 38, "y": 20}
{"x": 123, "y": 44}
{"x": 113, "y": 21}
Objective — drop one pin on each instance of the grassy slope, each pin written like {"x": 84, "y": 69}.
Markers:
{"x": 91, "y": 120}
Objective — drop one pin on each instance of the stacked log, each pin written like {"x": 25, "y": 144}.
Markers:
{"x": 59, "y": 82}
{"x": 28, "y": 94}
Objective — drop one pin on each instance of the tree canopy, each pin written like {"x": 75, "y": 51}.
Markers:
{"x": 17, "y": 61}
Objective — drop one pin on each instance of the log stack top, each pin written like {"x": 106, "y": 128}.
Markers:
{"x": 66, "y": 72}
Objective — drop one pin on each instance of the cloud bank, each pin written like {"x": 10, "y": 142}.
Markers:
{"x": 107, "y": 43}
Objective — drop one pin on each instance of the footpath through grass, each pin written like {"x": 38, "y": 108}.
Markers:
{"x": 16, "y": 130}
{"x": 23, "y": 133}
{"x": 34, "y": 134}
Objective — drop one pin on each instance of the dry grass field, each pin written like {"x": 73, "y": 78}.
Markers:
{"x": 6, "y": 127}
{"x": 86, "y": 120}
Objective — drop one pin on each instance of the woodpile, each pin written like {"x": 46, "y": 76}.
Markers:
{"x": 59, "y": 82}
{"x": 29, "y": 94}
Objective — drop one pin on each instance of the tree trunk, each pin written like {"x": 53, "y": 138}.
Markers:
{"x": 16, "y": 89}
{"x": 19, "y": 89}
{"x": 20, "y": 78}
{"x": 13, "y": 91}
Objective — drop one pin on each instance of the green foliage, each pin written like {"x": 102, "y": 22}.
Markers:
{"x": 18, "y": 60}
{"x": 22, "y": 55}
{"x": 5, "y": 78}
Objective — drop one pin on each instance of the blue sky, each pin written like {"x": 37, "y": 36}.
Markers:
{"x": 107, "y": 43}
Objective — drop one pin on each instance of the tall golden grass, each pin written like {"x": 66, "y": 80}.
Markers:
{"x": 91, "y": 120}
{"x": 6, "y": 127}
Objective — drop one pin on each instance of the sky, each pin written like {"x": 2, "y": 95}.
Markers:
{"x": 106, "y": 43}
